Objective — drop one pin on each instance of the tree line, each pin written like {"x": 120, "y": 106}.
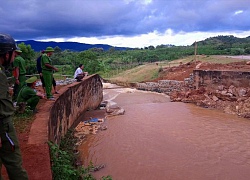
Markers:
{"x": 96, "y": 60}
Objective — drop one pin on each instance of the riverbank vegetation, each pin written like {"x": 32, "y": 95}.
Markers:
{"x": 65, "y": 162}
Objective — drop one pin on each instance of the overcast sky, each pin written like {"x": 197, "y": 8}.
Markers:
{"x": 125, "y": 23}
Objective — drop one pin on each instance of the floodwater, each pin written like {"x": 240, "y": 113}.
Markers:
{"x": 161, "y": 140}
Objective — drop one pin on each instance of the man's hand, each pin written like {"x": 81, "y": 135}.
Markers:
{"x": 38, "y": 93}
{"x": 86, "y": 73}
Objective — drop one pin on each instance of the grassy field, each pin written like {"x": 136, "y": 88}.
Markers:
{"x": 150, "y": 71}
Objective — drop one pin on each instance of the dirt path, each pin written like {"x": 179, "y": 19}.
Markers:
{"x": 33, "y": 142}
{"x": 36, "y": 160}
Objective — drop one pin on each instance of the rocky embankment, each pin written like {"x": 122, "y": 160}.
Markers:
{"x": 178, "y": 82}
{"x": 231, "y": 100}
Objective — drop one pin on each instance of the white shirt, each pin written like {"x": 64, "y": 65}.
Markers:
{"x": 78, "y": 71}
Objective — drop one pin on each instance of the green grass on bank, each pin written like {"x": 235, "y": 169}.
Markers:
{"x": 63, "y": 161}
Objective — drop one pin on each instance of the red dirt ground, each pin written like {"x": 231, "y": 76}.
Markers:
{"x": 184, "y": 70}
{"x": 36, "y": 160}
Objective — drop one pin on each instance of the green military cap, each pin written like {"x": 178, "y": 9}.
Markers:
{"x": 18, "y": 50}
{"x": 31, "y": 80}
{"x": 49, "y": 49}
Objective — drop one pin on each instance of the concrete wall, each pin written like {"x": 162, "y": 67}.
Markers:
{"x": 207, "y": 78}
{"x": 72, "y": 103}
{"x": 212, "y": 79}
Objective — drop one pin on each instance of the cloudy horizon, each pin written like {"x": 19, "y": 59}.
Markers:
{"x": 125, "y": 23}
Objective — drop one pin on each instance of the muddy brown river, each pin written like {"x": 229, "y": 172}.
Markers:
{"x": 161, "y": 140}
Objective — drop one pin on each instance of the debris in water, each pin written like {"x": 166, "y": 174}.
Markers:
{"x": 104, "y": 128}
{"x": 97, "y": 168}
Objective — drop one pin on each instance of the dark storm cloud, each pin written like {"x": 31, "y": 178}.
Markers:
{"x": 36, "y": 19}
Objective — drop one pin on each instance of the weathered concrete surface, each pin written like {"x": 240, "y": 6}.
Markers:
{"x": 78, "y": 98}
{"x": 56, "y": 117}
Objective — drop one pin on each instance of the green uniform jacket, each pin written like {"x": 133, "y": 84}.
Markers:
{"x": 20, "y": 63}
{"x": 28, "y": 95}
{"x": 45, "y": 60}
{"x": 6, "y": 105}
{"x": 25, "y": 94}
{"x": 47, "y": 74}
{"x": 10, "y": 154}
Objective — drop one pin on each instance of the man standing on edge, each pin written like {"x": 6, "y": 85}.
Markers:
{"x": 39, "y": 70}
{"x": 10, "y": 155}
{"x": 47, "y": 71}
{"x": 19, "y": 72}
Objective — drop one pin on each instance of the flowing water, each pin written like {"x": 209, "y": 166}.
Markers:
{"x": 161, "y": 140}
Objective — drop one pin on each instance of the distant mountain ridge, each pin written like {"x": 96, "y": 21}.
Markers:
{"x": 72, "y": 46}
{"x": 217, "y": 40}
{"x": 75, "y": 46}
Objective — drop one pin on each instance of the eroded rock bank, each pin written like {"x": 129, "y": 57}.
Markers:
{"x": 226, "y": 90}
{"x": 231, "y": 100}
{"x": 221, "y": 86}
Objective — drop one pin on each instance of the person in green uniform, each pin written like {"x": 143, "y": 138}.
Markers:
{"x": 10, "y": 155}
{"x": 19, "y": 73}
{"x": 47, "y": 70}
{"x": 29, "y": 95}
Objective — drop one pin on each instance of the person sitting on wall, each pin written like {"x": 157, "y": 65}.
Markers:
{"x": 29, "y": 96}
{"x": 79, "y": 74}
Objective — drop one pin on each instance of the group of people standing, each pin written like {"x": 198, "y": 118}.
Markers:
{"x": 24, "y": 91}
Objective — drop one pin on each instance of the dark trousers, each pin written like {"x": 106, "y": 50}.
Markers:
{"x": 48, "y": 78}
{"x": 79, "y": 77}
{"x": 18, "y": 87}
{"x": 32, "y": 102}
{"x": 43, "y": 84}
